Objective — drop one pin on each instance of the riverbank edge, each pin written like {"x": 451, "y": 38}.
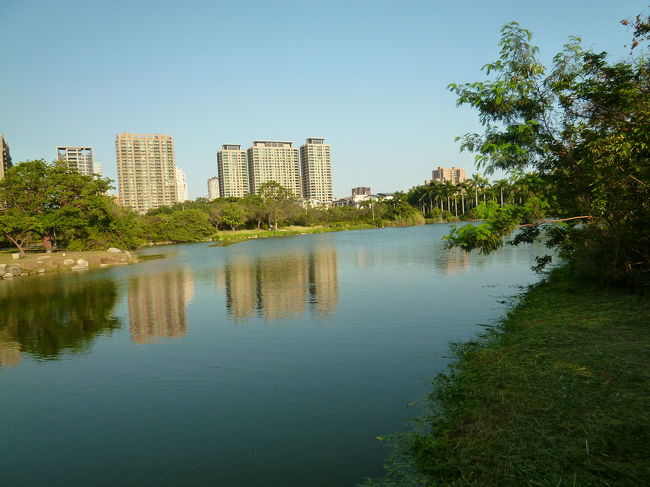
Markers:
{"x": 39, "y": 263}
{"x": 231, "y": 237}
{"x": 554, "y": 394}
{"x": 236, "y": 236}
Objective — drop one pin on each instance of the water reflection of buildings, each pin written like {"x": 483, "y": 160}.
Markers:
{"x": 240, "y": 287}
{"x": 454, "y": 261}
{"x": 323, "y": 282}
{"x": 157, "y": 304}
{"x": 9, "y": 351}
{"x": 279, "y": 286}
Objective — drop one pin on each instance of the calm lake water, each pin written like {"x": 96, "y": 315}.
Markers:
{"x": 273, "y": 362}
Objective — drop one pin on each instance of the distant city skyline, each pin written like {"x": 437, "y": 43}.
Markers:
{"x": 377, "y": 89}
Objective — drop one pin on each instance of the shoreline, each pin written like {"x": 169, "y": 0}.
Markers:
{"x": 555, "y": 394}
{"x": 228, "y": 237}
{"x": 39, "y": 263}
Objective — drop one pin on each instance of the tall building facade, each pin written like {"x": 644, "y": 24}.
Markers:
{"x": 232, "y": 165}
{"x": 146, "y": 171}
{"x": 455, "y": 174}
{"x": 213, "y": 189}
{"x": 181, "y": 185}
{"x": 316, "y": 168}
{"x": 79, "y": 158}
{"x": 5, "y": 157}
{"x": 361, "y": 190}
{"x": 270, "y": 160}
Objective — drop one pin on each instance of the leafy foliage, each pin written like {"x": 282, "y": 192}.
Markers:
{"x": 584, "y": 126}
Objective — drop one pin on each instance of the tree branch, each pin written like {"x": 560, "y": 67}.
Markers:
{"x": 553, "y": 221}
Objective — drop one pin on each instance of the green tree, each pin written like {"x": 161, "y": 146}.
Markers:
{"x": 47, "y": 200}
{"x": 233, "y": 215}
{"x": 278, "y": 203}
{"x": 584, "y": 126}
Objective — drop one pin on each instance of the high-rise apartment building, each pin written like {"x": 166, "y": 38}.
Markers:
{"x": 78, "y": 158}
{"x": 270, "y": 160}
{"x": 213, "y": 189}
{"x": 181, "y": 185}
{"x": 146, "y": 171}
{"x": 316, "y": 167}
{"x": 232, "y": 164}
{"x": 455, "y": 174}
{"x": 361, "y": 190}
{"x": 5, "y": 157}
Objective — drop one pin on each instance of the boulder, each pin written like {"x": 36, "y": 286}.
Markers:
{"x": 68, "y": 261}
{"x": 14, "y": 269}
{"x": 79, "y": 267}
{"x": 113, "y": 250}
{"x": 82, "y": 263}
{"x": 41, "y": 271}
{"x": 8, "y": 275}
{"x": 15, "y": 256}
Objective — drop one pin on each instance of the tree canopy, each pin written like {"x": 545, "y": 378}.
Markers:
{"x": 583, "y": 125}
{"x": 48, "y": 200}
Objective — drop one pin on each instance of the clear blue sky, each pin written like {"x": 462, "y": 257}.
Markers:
{"x": 369, "y": 76}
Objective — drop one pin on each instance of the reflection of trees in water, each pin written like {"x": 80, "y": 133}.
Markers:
{"x": 157, "y": 304}
{"x": 279, "y": 286}
{"x": 46, "y": 318}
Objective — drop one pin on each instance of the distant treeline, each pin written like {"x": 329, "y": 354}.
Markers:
{"x": 50, "y": 205}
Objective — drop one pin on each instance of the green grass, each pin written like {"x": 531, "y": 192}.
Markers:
{"x": 229, "y": 237}
{"x": 559, "y": 395}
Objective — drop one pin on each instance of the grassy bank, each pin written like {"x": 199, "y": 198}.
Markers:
{"x": 230, "y": 236}
{"x": 559, "y": 395}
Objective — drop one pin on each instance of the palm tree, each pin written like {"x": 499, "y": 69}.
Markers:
{"x": 478, "y": 183}
{"x": 462, "y": 189}
{"x": 448, "y": 191}
{"x": 501, "y": 185}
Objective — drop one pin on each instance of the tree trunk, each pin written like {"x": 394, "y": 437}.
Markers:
{"x": 47, "y": 243}
{"x": 17, "y": 244}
